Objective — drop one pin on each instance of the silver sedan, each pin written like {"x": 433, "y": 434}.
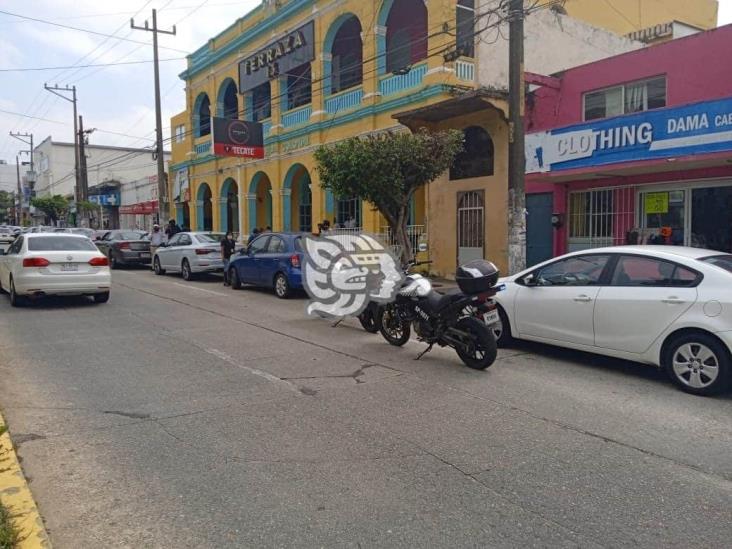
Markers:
{"x": 190, "y": 253}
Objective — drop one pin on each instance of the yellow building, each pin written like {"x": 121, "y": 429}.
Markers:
{"x": 317, "y": 71}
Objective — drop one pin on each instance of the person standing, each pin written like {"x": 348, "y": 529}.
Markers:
{"x": 156, "y": 239}
{"x": 228, "y": 245}
{"x": 172, "y": 229}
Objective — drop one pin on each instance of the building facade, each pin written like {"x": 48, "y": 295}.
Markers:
{"x": 317, "y": 71}
{"x": 636, "y": 148}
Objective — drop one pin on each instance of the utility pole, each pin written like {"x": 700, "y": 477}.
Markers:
{"x": 83, "y": 173}
{"x": 56, "y": 90}
{"x": 516, "y": 154}
{"x": 19, "y": 207}
{"x": 159, "y": 156}
{"x": 26, "y": 138}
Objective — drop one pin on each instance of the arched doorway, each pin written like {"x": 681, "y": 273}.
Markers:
{"x": 204, "y": 219}
{"x": 297, "y": 200}
{"x": 260, "y": 202}
{"x": 344, "y": 69}
{"x": 183, "y": 215}
{"x": 229, "y": 204}
{"x": 405, "y": 42}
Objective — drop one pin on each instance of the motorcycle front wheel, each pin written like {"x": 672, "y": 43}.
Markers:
{"x": 395, "y": 329}
{"x": 370, "y": 320}
{"x": 481, "y": 349}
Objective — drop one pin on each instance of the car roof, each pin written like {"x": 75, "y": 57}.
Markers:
{"x": 55, "y": 235}
{"x": 663, "y": 251}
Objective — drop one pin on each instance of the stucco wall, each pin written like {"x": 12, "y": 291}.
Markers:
{"x": 553, "y": 43}
{"x": 692, "y": 66}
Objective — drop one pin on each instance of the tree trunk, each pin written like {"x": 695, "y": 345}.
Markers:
{"x": 402, "y": 236}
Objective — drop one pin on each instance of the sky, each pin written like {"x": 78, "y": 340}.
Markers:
{"x": 114, "y": 99}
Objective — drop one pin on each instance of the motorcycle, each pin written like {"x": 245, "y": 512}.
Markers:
{"x": 459, "y": 319}
{"x": 370, "y": 318}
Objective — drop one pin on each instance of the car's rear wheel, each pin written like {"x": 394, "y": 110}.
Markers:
{"x": 113, "y": 264}
{"x": 185, "y": 271}
{"x": 698, "y": 363}
{"x": 101, "y": 298}
{"x": 502, "y": 330}
{"x": 234, "y": 278}
{"x": 156, "y": 266}
{"x": 15, "y": 299}
{"x": 282, "y": 286}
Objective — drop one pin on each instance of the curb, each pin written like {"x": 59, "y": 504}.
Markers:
{"x": 17, "y": 498}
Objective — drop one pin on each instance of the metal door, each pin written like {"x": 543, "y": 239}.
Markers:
{"x": 539, "y": 231}
{"x": 471, "y": 226}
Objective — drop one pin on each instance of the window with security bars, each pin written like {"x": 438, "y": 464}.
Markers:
{"x": 348, "y": 213}
{"x": 305, "y": 209}
{"x": 600, "y": 217}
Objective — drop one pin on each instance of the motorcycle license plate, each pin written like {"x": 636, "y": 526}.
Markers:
{"x": 491, "y": 317}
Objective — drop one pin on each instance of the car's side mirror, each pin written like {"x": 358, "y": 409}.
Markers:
{"x": 530, "y": 280}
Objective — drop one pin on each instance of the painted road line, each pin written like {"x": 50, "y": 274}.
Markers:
{"x": 190, "y": 287}
{"x": 269, "y": 377}
{"x": 17, "y": 498}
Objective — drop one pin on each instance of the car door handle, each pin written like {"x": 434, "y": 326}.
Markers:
{"x": 673, "y": 300}
{"x": 583, "y": 298}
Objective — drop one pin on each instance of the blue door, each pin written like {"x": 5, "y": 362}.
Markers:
{"x": 539, "y": 230}
{"x": 268, "y": 262}
{"x": 248, "y": 266}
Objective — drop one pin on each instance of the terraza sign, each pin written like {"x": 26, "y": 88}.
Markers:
{"x": 277, "y": 58}
{"x": 239, "y": 138}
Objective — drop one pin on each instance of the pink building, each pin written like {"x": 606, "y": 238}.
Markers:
{"x": 636, "y": 148}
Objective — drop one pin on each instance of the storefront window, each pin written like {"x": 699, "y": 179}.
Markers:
{"x": 711, "y": 220}
{"x": 665, "y": 213}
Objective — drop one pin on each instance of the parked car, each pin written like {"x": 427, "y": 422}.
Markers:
{"x": 7, "y": 235}
{"x": 125, "y": 248}
{"x": 83, "y": 231}
{"x": 662, "y": 305}
{"x": 272, "y": 260}
{"x": 43, "y": 264}
{"x": 99, "y": 234}
{"x": 190, "y": 253}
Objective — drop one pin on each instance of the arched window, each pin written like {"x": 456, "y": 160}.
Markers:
{"x": 347, "y": 56}
{"x": 406, "y": 34}
{"x": 299, "y": 86}
{"x": 228, "y": 104}
{"x": 465, "y": 31}
{"x": 261, "y": 102}
{"x": 202, "y": 116}
{"x": 476, "y": 159}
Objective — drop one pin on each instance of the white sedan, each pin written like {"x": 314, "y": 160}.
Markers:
{"x": 190, "y": 253}
{"x": 662, "y": 305}
{"x": 41, "y": 264}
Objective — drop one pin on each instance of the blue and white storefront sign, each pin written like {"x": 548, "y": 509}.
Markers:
{"x": 693, "y": 129}
{"x": 111, "y": 199}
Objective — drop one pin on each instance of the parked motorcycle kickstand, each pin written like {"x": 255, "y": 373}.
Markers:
{"x": 427, "y": 350}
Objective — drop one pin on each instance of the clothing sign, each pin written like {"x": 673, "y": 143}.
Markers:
{"x": 692, "y": 129}
{"x": 111, "y": 199}
{"x": 240, "y": 138}
{"x": 656, "y": 203}
{"x": 280, "y": 57}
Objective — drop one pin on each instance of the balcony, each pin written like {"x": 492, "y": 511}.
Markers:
{"x": 393, "y": 84}
{"x": 343, "y": 101}
{"x": 297, "y": 117}
{"x": 204, "y": 147}
{"x": 266, "y": 127}
{"x": 465, "y": 70}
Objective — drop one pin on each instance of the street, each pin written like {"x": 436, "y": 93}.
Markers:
{"x": 192, "y": 415}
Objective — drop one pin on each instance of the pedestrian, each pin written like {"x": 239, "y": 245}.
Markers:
{"x": 267, "y": 229}
{"x": 228, "y": 244}
{"x": 156, "y": 239}
{"x": 255, "y": 234}
{"x": 172, "y": 229}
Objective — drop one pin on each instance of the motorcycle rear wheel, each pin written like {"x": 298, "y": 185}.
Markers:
{"x": 483, "y": 349}
{"x": 395, "y": 330}
{"x": 370, "y": 321}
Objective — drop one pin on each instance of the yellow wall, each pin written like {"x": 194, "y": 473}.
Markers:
{"x": 626, "y": 16}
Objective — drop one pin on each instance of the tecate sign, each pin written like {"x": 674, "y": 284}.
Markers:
{"x": 237, "y": 138}
{"x": 693, "y": 129}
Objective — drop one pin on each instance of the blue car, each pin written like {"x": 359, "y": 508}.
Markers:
{"x": 272, "y": 260}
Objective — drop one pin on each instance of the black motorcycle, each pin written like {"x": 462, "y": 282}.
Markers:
{"x": 451, "y": 319}
{"x": 370, "y": 318}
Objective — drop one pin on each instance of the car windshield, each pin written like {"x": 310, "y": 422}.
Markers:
{"x": 130, "y": 235}
{"x": 210, "y": 237}
{"x": 60, "y": 244}
{"x": 724, "y": 261}
{"x": 85, "y": 232}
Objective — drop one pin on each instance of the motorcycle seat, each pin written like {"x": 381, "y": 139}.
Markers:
{"x": 439, "y": 301}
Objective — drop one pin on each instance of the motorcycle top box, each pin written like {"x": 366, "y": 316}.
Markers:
{"x": 477, "y": 276}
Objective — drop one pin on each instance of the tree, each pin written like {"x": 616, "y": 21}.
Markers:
{"x": 53, "y": 206}
{"x": 387, "y": 170}
{"x": 87, "y": 206}
{"x": 7, "y": 201}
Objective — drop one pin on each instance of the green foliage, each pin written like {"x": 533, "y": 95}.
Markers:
{"x": 53, "y": 206}
{"x": 386, "y": 170}
{"x": 9, "y": 537}
{"x": 6, "y": 201}
{"x": 86, "y": 206}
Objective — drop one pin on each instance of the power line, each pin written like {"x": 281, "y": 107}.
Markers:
{"x": 88, "y": 31}
{"x": 28, "y": 69}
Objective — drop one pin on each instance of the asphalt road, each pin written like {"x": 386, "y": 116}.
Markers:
{"x": 191, "y": 415}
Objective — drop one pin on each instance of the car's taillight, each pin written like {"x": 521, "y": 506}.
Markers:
{"x": 295, "y": 261}
{"x": 203, "y": 251}
{"x": 123, "y": 245}
{"x": 35, "y": 262}
{"x": 99, "y": 262}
